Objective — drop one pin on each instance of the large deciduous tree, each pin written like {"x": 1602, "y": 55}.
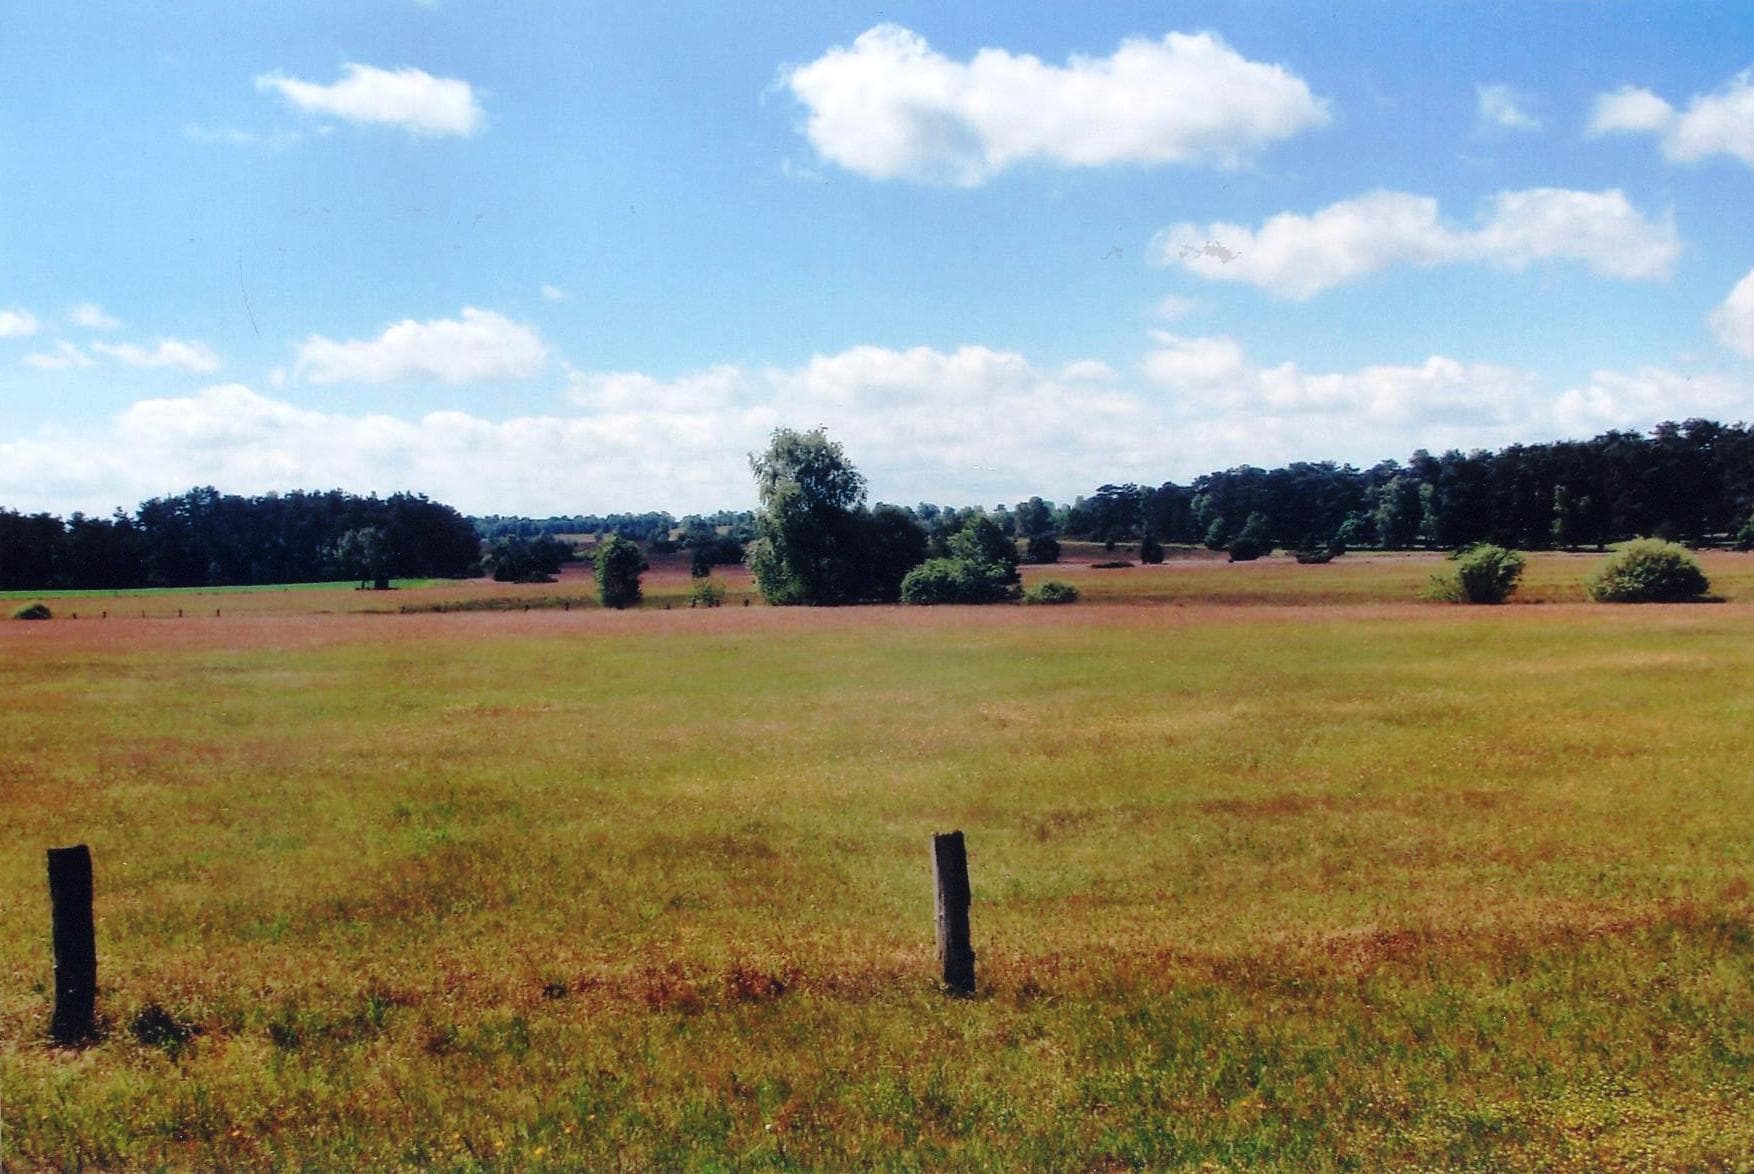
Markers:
{"x": 816, "y": 543}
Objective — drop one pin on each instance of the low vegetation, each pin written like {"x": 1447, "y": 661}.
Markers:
{"x": 1051, "y": 591}
{"x": 1482, "y": 574}
{"x": 1649, "y": 571}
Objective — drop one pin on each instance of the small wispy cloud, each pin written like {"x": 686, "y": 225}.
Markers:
{"x": 91, "y": 316}
{"x": 409, "y": 98}
{"x": 174, "y": 353}
{"x": 1502, "y": 108}
{"x": 65, "y": 357}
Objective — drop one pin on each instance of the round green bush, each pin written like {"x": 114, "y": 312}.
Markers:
{"x": 1483, "y": 574}
{"x": 33, "y": 611}
{"x": 1052, "y": 591}
{"x": 1649, "y": 571}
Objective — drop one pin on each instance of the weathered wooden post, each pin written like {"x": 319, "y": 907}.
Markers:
{"x": 950, "y": 884}
{"x": 75, "y": 944}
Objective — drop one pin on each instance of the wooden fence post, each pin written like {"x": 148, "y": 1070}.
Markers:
{"x": 75, "y": 944}
{"x": 950, "y": 884}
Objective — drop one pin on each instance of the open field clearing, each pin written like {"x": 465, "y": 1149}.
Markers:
{"x": 1203, "y": 578}
{"x": 1311, "y": 878}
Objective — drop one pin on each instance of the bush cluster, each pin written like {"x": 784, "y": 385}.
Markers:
{"x": 958, "y": 580}
{"x": 1649, "y": 571}
{"x": 33, "y": 611}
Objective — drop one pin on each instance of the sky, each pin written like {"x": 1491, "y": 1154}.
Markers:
{"x": 557, "y": 258}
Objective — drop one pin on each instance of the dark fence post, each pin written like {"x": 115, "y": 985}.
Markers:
{"x": 75, "y": 944}
{"x": 950, "y": 883}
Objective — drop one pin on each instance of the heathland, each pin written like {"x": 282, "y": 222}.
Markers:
{"x": 1272, "y": 864}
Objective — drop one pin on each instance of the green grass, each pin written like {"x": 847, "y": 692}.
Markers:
{"x": 1292, "y": 885}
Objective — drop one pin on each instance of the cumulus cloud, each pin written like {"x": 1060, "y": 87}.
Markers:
{"x": 1637, "y": 399}
{"x": 1297, "y": 256}
{"x": 476, "y": 345}
{"x": 1501, "y": 107}
{"x": 175, "y": 353}
{"x": 91, "y": 316}
{"x": 1733, "y": 320}
{"x": 1215, "y": 373}
{"x": 891, "y": 107}
{"x": 409, "y": 98}
{"x": 17, "y": 322}
{"x": 1718, "y": 123}
{"x": 969, "y": 425}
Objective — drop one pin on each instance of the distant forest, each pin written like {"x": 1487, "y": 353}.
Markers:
{"x": 1691, "y": 482}
{"x": 204, "y": 538}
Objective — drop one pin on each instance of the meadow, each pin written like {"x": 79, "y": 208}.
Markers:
{"x": 1272, "y": 866}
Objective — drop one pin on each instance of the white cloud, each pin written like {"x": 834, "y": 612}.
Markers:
{"x": 1216, "y": 373}
{"x": 1718, "y": 123}
{"x": 1629, "y": 109}
{"x": 1171, "y": 307}
{"x": 479, "y": 344}
{"x": 176, "y": 353}
{"x": 890, "y": 107}
{"x": 1638, "y": 399}
{"x": 91, "y": 316}
{"x": 1733, "y": 320}
{"x": 17, "y": 322}
{"x": 64, "y": 357}
{"x": 553, "y": 293}
{"x": 1297, "y": 256}
{"x": 408, "y": 98}
{"x": 973, "y": 424}
{"x": 1502, "y": 107}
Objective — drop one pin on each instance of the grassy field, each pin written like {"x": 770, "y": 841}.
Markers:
{"x": 1272, "y": 865}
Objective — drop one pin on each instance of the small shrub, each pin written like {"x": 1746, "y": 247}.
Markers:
{"x": 1150, "y": 551}
{"x": 1052, "y": 591}
{"x": 1253, "y": 541}
{"x": 1649, "y": 571}
{"x": 1115, "y": 565}
{"x": 157, "y": 1028}
{"x": 1483, "y": 574}
{"x": 1316, "y": 549}
{"x": 619, "y": 563}
{"x": 706, "y": 593}
{"x": 33, "y": 611}
{"x": 1042, "y": 549}
{"x": 1745, "y": 536}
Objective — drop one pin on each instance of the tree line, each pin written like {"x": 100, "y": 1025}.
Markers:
{"x": 1691, "y": 482}
{"x": 204, "y": 538}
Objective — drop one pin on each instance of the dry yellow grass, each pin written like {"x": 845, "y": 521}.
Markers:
{"x": 1281, "y": 883}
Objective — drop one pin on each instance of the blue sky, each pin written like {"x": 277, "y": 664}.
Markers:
{"x": 557, "y": 258}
